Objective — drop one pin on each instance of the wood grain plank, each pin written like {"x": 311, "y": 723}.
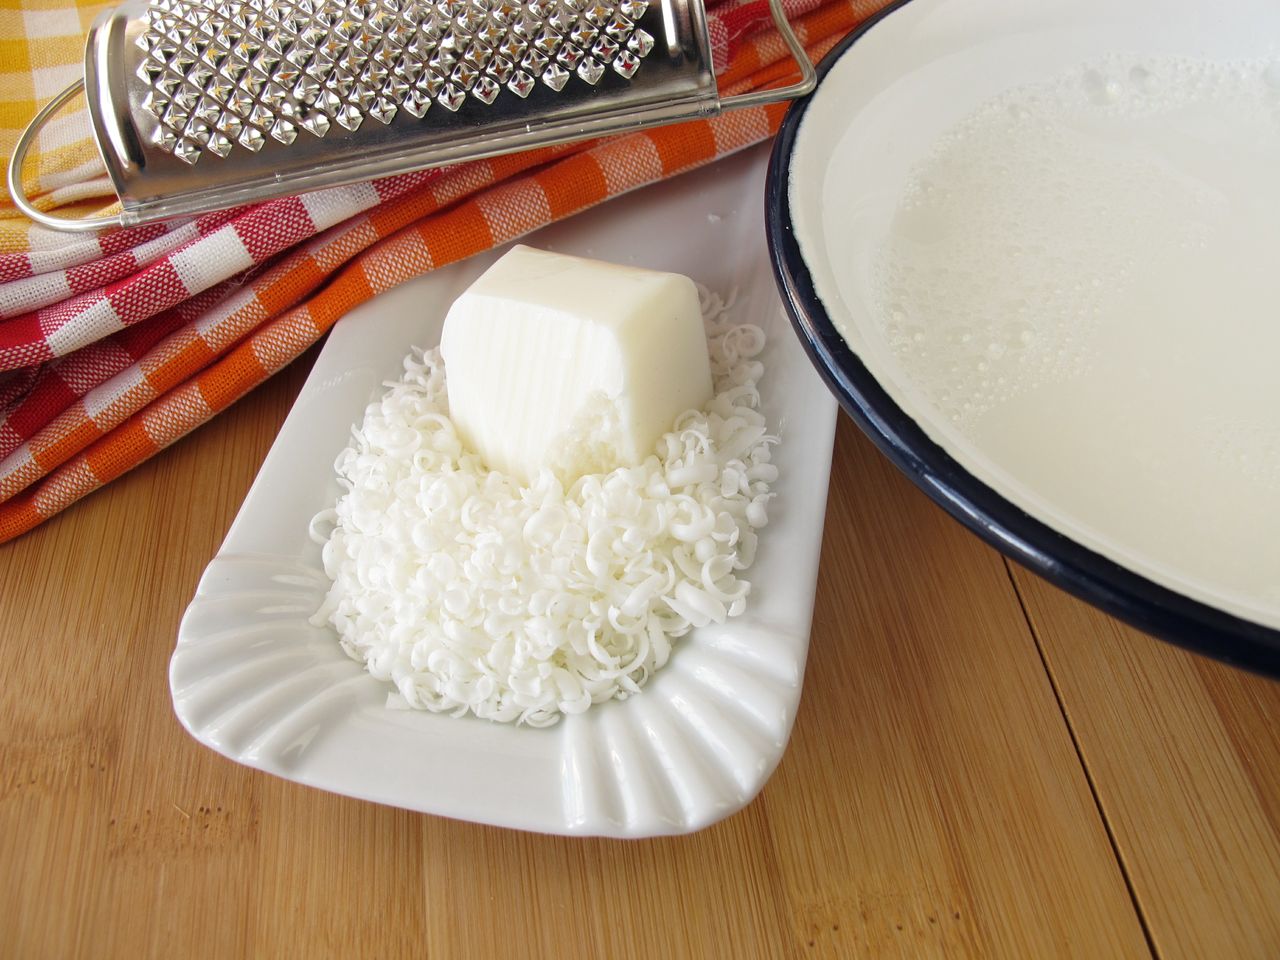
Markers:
{"x": 334, "y": 877}
{"x": 931, "y": 803}
{"x": 118, "y": 835}
{"x": 1184, "y": 754}
{"x": 931, "y": 758}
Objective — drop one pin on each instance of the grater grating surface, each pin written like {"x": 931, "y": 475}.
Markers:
{"x": 229, "y": 74}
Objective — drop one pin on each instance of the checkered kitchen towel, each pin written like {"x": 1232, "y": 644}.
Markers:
{"x": 112, "y": 347}
{"x": 41, "y": 53}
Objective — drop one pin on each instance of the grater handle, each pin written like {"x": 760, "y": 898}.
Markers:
{"x": 67, "y": 224}
{"x": 808, "y": 78}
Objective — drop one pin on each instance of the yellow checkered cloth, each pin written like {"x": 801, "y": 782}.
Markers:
{"x": 42, "y": 52}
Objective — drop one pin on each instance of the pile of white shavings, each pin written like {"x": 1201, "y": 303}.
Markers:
{"x": 474, "y": 594}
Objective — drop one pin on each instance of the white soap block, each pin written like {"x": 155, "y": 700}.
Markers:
{"x": 571, "y": 364}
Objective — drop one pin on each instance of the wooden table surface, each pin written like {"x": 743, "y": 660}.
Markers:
{"x": 981, "y": 767}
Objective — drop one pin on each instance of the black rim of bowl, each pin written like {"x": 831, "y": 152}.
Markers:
{"x": 1154, "y": 609}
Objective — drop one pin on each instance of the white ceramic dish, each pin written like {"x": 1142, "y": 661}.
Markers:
{"x": 1081, "y": 489}
{"x": 254, "y": 681}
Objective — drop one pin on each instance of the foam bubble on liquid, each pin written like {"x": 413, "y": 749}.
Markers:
{"x": 1105, "y": 242}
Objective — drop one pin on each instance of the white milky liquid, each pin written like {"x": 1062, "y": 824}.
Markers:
{"x": 1084, "y": 278}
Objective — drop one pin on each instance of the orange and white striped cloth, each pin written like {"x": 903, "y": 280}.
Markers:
{"x": 73, "y": 421}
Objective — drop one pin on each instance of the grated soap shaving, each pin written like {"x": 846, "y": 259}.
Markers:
{"x": 474, "y": 594}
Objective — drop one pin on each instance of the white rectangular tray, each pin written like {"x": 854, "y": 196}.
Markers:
{"x": 252, "y": 679}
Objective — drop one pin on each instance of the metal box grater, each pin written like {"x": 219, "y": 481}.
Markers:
{"x": 199, "y": 105}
